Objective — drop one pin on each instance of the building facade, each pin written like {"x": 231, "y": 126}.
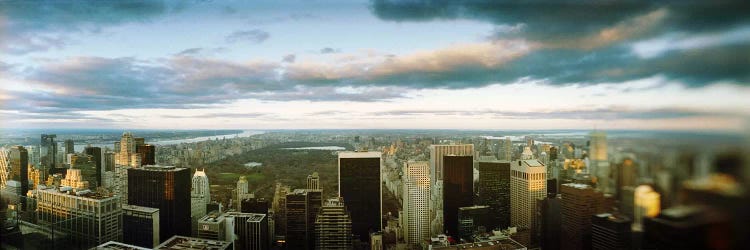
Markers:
{"x": 458, "y": 189}
{"x": 494, "y": 191}
{"x": 360, "y": 186}
{"x": 528, "y": 183}
{"x": 416, "y": 202}
{"x": 140, "y": 226}
{"x": 166, "y": 188}
{"x": 333, "y": 226}
{"x": 436, "y": 177}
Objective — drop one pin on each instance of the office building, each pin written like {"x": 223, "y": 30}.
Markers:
{"x": 69, "y": 147}
{"x": 97, "y": 157}
{"x": 437, "y": 152}
{"x": 302, "y": 206}
{"x": 627, "y": 173}
{"x": 249, "y": 231}
{"x": 212, "y": 226}
{"x": 127, "y": 155}
{"x": 376, "y": 241}
{"x": 18, "y": 163}
{"x": 690, "y": 227}
{"x": 610, "y": 231}
{"x": 166, "y": 188}
{"x": 48, "y": 153}
{"x": 74, "y": 179}
{"x": 147, "y": 152}
{"x": 140, "y": 226}
{"x": 528, "y": 183}
{"x": 89, "y": 218}
{"x": 114, "y": 245}
{"x": 600, "y": 163}
{"x": 458, "y": 189}
{"x": 494, "y": 191}
{"x": 547, "y": 223}
{"x": 472, "y": 220}
{"x": 579, "y": 203}
{"x": 494, "y": 244}
{"x": 255, "y": 205}
{"x": 333, "y": 226}
{"x": 242, "y": 192}
{"x": 279, "y": 208}
{"x": 313, "y": 181}
{"x": 360, "y": 186}
{"x": 647, "y": 204}
{"x": 200, "y": 196}
{"x": 416, "y": 202}
{"x": 87, "y": 166}
{"x": 184, "y": 243}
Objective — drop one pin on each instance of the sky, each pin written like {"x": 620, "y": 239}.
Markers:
{"x": 500, "y": 65}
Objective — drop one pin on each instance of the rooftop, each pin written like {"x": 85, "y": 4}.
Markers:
{"x": 576, "y": 185}
{"x": 504, "y": 244}
{"x": 160, "y": 168}
{"x": 114, "y": 245}
{"x": 352, "y": 154}
{"x": 140, "y": 208}
{"x": 188, "y": 243}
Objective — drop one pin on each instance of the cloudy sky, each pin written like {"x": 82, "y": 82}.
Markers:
{"x": 375, "y": 64}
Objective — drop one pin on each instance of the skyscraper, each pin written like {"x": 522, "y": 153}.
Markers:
{"x": 249, "y": 230}
{"x": 48, "y": 151}
{"x": 89, "y": 218}
{"x": 242, "y": 192}
{"x": 302, "y": 206}
{"x": 548, "y": 218}
{"x": 69, "y": 147}
{"x": 96, "y": 154}
{"x": 140, "y": 226}
{"x": 166, "y": 188}
{"x": 599, "y": 162}
{"x": 528, "y": 183}
{"x": 494, "y": 191}
{"x": 458, "y": 189}
{"x": 472, "y": 219}
{"x": 360, "y": 186}
{"x": 647, "y": 204}
{"x": 19, "y": 162}
{"x": 579, "y": 203}
{"x": 333, "y": 226}
{"x": 436, "y": 177}
{"x": 125, "y": 158}
{"x": 416, "y": 202}
{"x": 313, "y": 181}
{"x": 88, "y": 168}
{"x": 610, "y": 231}
{"x": 200, "y": 196}
{"x": 147, "y": 153}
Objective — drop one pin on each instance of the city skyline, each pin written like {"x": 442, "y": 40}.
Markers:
{"x": 374, "y": 64}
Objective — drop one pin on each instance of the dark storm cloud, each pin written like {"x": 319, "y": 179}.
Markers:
{"x": 253, "y": 36}
{"x": 585, "y": 42}
{"x": 35, "y": 25}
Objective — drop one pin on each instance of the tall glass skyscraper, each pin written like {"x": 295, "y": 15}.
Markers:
{"x": 359, "y": 185}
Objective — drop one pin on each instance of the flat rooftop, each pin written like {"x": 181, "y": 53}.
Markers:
{"x": 504, "y": 244}
{"x": 366, "y": 154}
{"x": 189, "y": 243}
{"x": 139, "y": 208}
{"x": 114, "y": 245}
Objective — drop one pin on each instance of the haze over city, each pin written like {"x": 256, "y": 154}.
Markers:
{"x": 377, "y": 64}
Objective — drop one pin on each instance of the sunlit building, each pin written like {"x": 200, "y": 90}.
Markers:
{"x": 74, "y": 179}
{"x": 599, "y": 162}
{"x": 89, "y": 218}
{"x": 313, "y": 181}
{"x": 415, "y": 204}
{"x": 360, "y": 186}
{"x": 647, "y": 204}
{"x": 528, "y": 183}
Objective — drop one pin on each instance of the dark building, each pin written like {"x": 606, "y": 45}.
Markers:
{"x": 458, "y": 189}
{"x": 552, "y": 187}
{"x": 626, "y": 176}
{"x": 251, "y": 230}
{"x": 472, "y": 219}
{"x": 302, "y": 206}
{"x": 109, "y": 161}
{"x": 360, "y": 187}
{"x": 255, "y": 205}
{"x": 579, "y": 203}
{"x": 89, "y": 172}
{"x": 69, "y": 147}
{"x": 609, "y": 231}
{"x": 19, "y": 168}
{"x": 552, "y": 154}
{"x": 140, "y": 226}
{"x": 494, "y": 191}
{"x": 148, "y": 153}
{"x": 547, "y": 233}
{"x": 165, "y": 188}
{"x": 48, "y": 150}
{"x": 96, "y": 154}
{"x": 333, "y": 226}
